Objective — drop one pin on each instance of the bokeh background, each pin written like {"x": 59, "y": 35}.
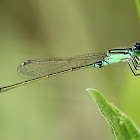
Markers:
{"x": 59, "y": 108}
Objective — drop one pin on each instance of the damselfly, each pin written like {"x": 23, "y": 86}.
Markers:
{"x": 45, "y": 68}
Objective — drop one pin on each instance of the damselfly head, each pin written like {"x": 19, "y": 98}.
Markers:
{"x": 136, "y": 49}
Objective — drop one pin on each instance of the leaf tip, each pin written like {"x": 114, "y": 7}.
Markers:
{"x": 91, "y": 90}
{"x": 88, "y": 89}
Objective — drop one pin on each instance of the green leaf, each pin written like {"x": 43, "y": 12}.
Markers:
{"x": 138, "y": 8}
{"x": 123, "y": 128}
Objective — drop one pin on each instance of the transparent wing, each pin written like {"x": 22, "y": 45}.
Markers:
{"x": 42, "y": 67}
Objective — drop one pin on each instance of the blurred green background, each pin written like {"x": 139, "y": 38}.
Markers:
{"x": 59, "y": 108}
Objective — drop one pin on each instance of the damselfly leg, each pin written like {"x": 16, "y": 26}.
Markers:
{"x": 135, "y": 65}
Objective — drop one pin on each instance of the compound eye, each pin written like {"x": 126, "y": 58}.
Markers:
{"x": 136, "y": 49}
{"x": 136, "y": 46}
